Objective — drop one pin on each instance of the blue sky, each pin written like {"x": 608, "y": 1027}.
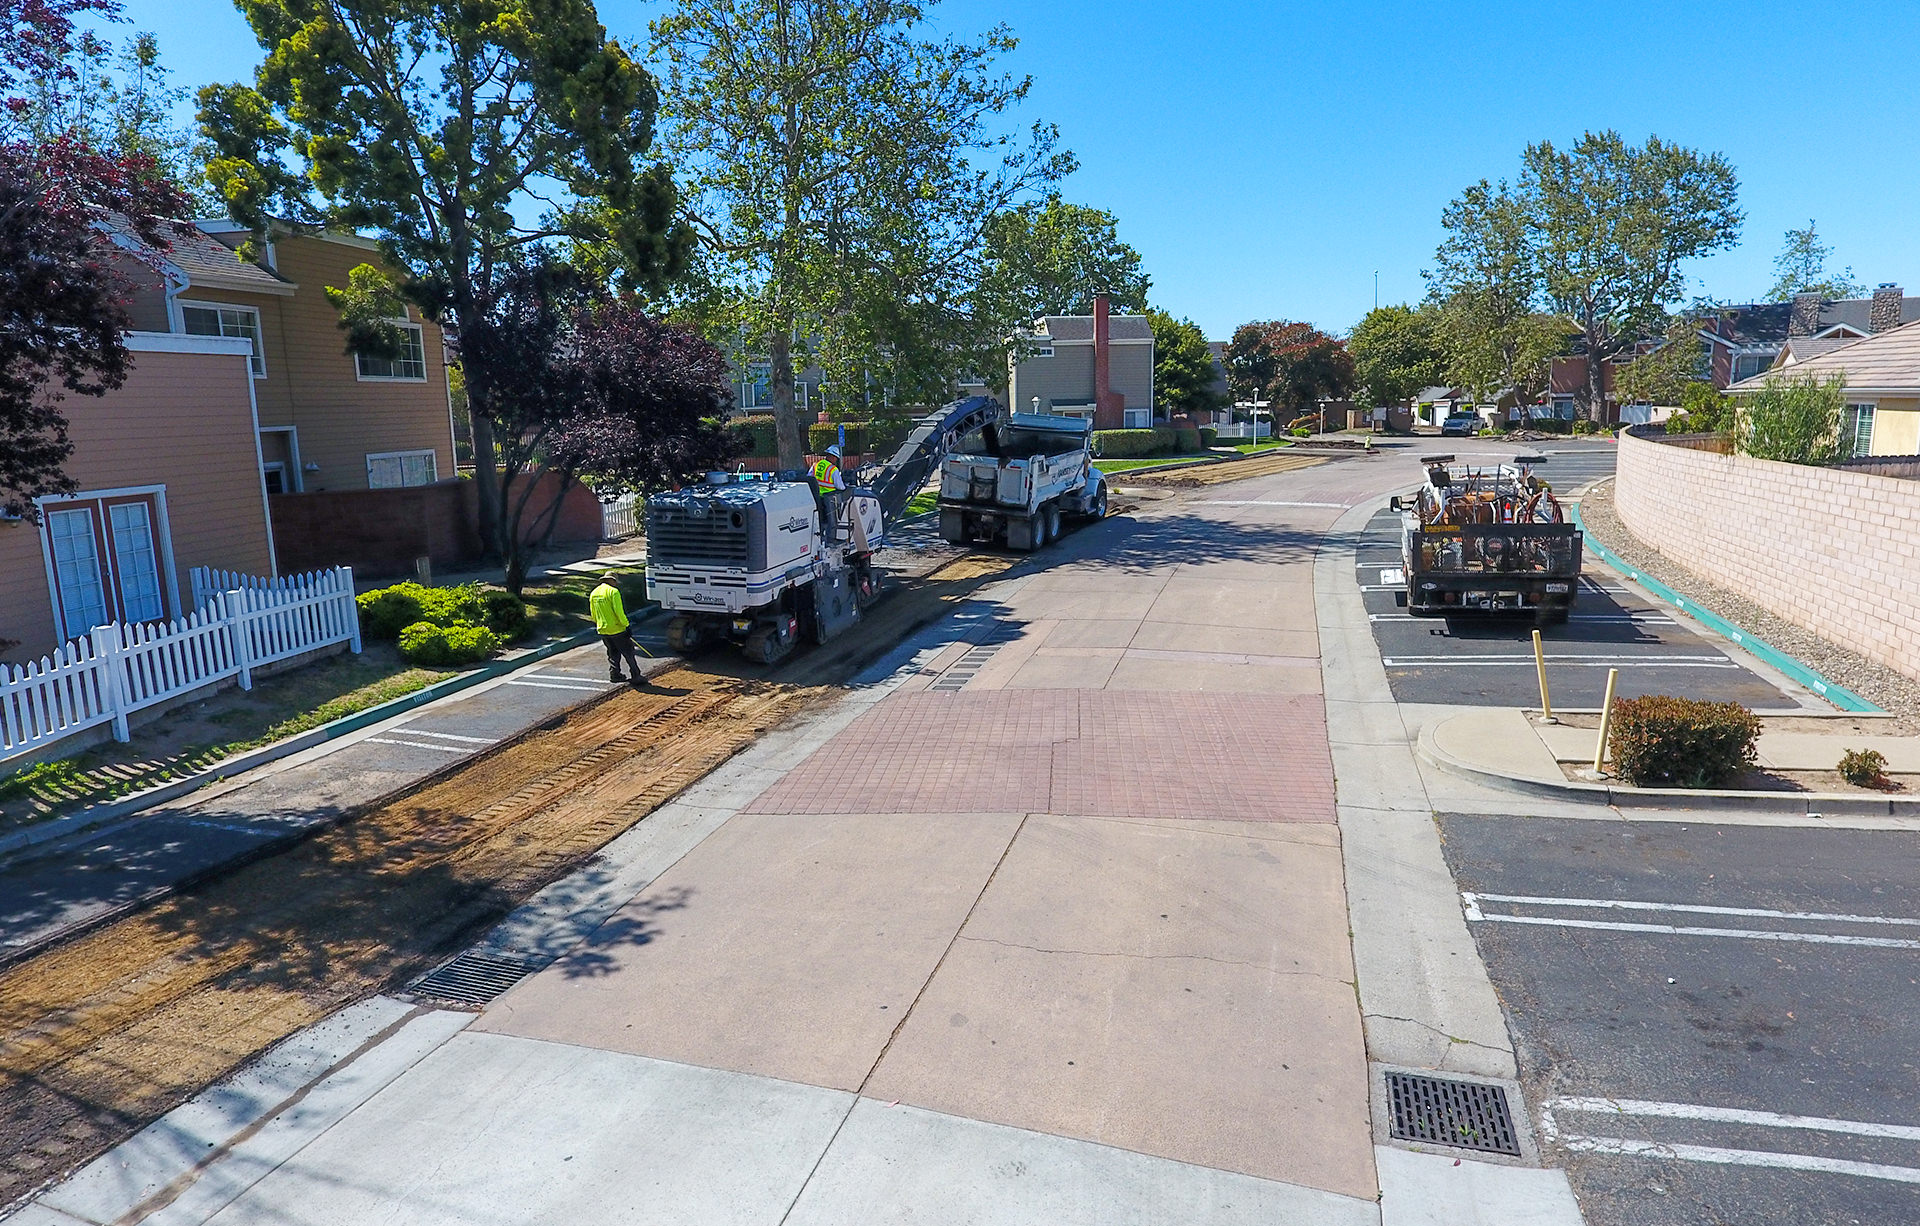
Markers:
{"x": 1268, "y": 158}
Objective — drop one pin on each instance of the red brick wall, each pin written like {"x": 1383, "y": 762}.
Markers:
{"x": 1833, "y": 551}
{"x": 377, "y": 532}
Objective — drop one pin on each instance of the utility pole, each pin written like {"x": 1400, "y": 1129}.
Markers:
{"x": 1376, "y": 289}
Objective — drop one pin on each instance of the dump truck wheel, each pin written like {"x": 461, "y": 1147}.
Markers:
{"x": 1099, "y": 505}
{"x": 1051, "y": 519}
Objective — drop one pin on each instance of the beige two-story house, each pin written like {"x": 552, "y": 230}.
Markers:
{"x": 1065, "y": 362}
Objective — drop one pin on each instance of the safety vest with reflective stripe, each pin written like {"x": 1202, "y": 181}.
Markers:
{"x": 824, "y": 472}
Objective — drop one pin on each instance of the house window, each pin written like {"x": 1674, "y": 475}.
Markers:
{"x": 1139, "y": 419}
{"x": 409, "y": 367}
{"x": 106, "y": 559}
{"x": 1747, "y": 365}
{"x": 1045, "y": 351}
{"x": 210, "y": 319}
{"x": 274, "y": 473}
{"x": 393, "y": 469}
{"x": 1859, "y": 429}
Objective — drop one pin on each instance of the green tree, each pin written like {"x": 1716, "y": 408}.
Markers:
{"x": 1291, "y": 364}
{"x": 1704, "y": 409}
{"x": 1793, "y": 420}
{"x": 117, "y": 101}
{"x": 1485, "y": 285}
{"x": 1050, "y": 258}
{"x": 1183, "y": 371}
{"x": 1801, "y": 268}
{"x": 843, "y": 166}
{"x": 461, "y": 136}
{"x": 1662, "y": 374}
{"x": 1397, "y": 350}
{"x": 1611, "y": 226}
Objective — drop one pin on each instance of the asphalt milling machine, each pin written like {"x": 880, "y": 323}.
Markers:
{"x": 1485, "y": 540}
{"x": 767, "y": 560}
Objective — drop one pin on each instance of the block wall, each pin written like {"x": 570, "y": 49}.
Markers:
{"x": 1833, "y": 551}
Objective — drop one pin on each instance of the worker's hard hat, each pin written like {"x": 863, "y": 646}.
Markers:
{"x": 834, "y": 451}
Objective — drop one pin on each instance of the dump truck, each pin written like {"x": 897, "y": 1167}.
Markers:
{"x": 1489, "y": 539}
{"x": 1019, "y": 482}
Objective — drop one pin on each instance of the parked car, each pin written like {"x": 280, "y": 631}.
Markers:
{"x": 1465, "y": 424}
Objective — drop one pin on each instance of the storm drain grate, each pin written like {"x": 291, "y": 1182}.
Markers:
{"x": 1465, "y": 1114}
{"x": 472, "y": 979}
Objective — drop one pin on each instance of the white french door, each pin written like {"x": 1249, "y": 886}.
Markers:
{"x": 76, "y": 567}
{"x": 136, "y": 562}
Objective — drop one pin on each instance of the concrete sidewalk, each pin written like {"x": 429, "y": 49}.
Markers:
{"x": 1047, "y": 921}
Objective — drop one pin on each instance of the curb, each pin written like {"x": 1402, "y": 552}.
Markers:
{"x": 226, "y": 768}
{"x": 1803, "y": 804}
{"x": 1834, "y": 693}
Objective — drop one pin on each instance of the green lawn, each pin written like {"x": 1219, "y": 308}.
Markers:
{"x": 1267, "y": 445}
{"x": 194, "y": 737}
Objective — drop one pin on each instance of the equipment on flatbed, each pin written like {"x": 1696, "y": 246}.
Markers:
{"x": 1015, "y": 481}
{"x": 1487, "y": 540}
{"x": 763, "y": 559}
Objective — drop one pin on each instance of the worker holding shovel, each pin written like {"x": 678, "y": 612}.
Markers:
{"x": 610, "y": 619}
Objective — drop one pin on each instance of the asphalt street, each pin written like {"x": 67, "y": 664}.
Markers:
{"x": 1714, "y": 1023}
{"x": 1488, "y": 661}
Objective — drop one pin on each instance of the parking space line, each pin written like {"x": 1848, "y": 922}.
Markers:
{"x": 382, "y": 740}
{"x": 1731, "y": 1115}
{"x": 445, "y": 736}
{"x": 1621, "y": 904}
{"x": 1640, "y": 619}
{"x": 1263, "y": 502}
{"x": 1584, "y": 661}
{"x": 585, "y": 687}
{"x": 1471, "y": 903}
{"x": 1719, "y": 1155}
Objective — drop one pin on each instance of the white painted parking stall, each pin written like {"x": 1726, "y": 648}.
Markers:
{"x": 1806, "y": 927}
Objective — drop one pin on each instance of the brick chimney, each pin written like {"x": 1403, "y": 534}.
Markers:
{"x": 1804, "y": 320}
{"x": 1109, "y": 410}
{"x": 1884, "y": 315}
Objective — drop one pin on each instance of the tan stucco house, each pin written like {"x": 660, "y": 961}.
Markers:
{"x": 241, "y": 388}
{"x": 1882, "y": 377}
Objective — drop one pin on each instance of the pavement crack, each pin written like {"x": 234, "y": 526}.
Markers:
{"x": 1091, "y": 953}
{"x": 1432, "y": 1029}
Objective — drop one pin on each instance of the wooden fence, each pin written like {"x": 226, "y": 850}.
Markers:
{"x": 239, "y": 623}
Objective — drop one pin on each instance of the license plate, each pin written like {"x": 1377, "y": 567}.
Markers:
{"x": 1556, "y": 589}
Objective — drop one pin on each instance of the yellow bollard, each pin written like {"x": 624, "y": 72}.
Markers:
{"x": 1540, "y": 666}
{"x": 1606, "y": 722}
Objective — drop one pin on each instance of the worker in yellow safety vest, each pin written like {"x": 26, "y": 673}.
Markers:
{"x": 826, "y": 471}
{"x": 610, "y": 619}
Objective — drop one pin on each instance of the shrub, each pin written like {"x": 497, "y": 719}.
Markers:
{"x": 1208, "y": 436}
{"x": 387, "y": 611}
{"x": 426, "y": 644}
{"x": 451, "y": 606}
{"x": 1864, "y": 768}
{"x": 755, "y": 434}
{"x": 1301, "y": 432}
{"x": 1703, "y": 410}
{"x": 470, "y": 644}
{"x": 434, "y": 646}
{"x": 1186, "y": 439}
{"x": 1795, "y": 421}
{"x": 505, "y": 615}
{"x": 822, "y": 435}
{"x": 1125, "y": 444}
{"x": 1660, "y": 741}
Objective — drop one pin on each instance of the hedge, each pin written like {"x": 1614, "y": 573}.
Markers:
{"x": 1658, "y": 741}
{"x": 760, "y": 439}
{"x": 1208, "y": 437}
{"x": 1124, "y": 444}
{"x": 822, "y": 435}
{"x": 437, "y": 646}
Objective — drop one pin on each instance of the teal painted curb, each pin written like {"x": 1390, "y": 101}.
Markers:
{"x": 1838, "y": 695}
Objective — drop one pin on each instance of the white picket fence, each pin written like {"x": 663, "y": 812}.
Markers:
{"x": 239, "y": 623}
{"x": 619, "y": 518}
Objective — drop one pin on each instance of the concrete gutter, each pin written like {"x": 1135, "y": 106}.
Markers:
{"x": 1619, "y": 795}
{"x": 1760, "y": 649}
{"x": 99, "y": 815}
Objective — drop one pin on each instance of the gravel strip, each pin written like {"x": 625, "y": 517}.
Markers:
{"x": 1891, "y": 691}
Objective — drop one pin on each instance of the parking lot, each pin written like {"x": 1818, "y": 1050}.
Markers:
{"x": 1714, "y": 1023}
{"x": 1488, "y": 660}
